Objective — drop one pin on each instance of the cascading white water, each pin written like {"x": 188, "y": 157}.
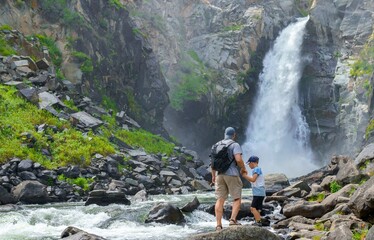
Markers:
{"x": 277, "y": 132}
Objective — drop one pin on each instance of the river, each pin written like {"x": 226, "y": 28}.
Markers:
{"x": 115, "y": 222}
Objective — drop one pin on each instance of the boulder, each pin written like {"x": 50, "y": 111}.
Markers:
{"x": 191, "y": 206}
{"x": 31, "y": 192}
{"x": 5, "y": 196}
{"x": 275, "y": 182}
{"x": 362, "y": 201}
{"x": 86, "y": 120}
{"x": 295, "y": 190}
{"x": 165, "y": 213}
{"x": 332, "y": 200}
{"x": 305, "y": 209}
{"x": 104, "y": 198}
{"x": 370, "y": 234}
{"x": 73, "y": 233}
{"x": 244, "y": 232}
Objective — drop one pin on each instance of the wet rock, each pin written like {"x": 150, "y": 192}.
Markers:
{"x": 191, "y": 206}
{"x": 73, "y": 233}
{"x": 32, "y": 192}
{"x": 6, "y": 197}
{"x": 104, "y": 198}
{"x": 165, "y": 213}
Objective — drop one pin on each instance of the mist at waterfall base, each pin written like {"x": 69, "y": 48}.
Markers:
{"x": 277, "y": 131}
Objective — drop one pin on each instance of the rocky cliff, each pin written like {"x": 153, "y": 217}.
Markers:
{"x": 231, "y": 39}
{"x": 124, "y": 74}
{"x": 210, "y": 53}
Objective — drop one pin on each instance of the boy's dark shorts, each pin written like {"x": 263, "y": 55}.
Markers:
{"x": 257, "y": 202}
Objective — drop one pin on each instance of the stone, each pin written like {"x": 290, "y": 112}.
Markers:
{"x": 86, "y": 119}
{"x": 244, "y": 232}
{"x": 42, "y": 64}
{"x": 73, "y": 233}
{"x": 191, "y": 206}
{"x": 31, "y": 192}
{"x": 165, "y": 213}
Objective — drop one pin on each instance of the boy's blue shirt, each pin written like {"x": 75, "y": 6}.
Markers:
{"x": 258, "y": 187}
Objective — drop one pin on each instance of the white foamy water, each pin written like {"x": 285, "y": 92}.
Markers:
{"x": 277, "y": 132}
{"x": 115, "y": 222}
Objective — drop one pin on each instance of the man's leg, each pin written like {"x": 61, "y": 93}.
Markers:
{"x": 219, "y": 210}
{"x": 235, "y": 208}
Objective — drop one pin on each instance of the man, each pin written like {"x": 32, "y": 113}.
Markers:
{"x": 229, "y": 182}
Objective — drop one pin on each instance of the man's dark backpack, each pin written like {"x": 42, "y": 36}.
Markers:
{"x": 219, "y": 156}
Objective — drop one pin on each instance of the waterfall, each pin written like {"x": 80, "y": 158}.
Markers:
{"x": 277, "y": 131}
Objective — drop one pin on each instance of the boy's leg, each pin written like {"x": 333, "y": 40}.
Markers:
{"x": 256, "y": 207}
{"x": 256, "y": 214}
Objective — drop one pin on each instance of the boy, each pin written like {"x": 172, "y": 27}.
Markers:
{"x": 257, "y": 180}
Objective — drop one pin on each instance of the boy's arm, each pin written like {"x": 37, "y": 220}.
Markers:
{"x": 251, "y": 178}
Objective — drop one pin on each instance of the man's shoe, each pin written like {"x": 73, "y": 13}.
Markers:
{"x": 257, "y": 224}
{"x": 233, "y": 222}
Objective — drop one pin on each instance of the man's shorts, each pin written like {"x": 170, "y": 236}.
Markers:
{"x": 228, "y": 185}
{"x": 257, "y": 202}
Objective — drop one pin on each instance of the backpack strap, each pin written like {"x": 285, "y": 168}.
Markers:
{"x": 228, "y": 145}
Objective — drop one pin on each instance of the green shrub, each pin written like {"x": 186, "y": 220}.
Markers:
{"x": 191, "y": 81}
{"x": 5, "y": 27}
{"x": 54, "y": 51}
{"x": 73, "y": 147}
{"x": 70, "y": 104}
{"x": 86, "y": 65}
{"x": 235, "y": 27}
{"x": 334, "y": 187}
{"x": 116, "y": 4}
{"x": 5, "y": 48}
{"x": 369, "y": 129}
{"x": 364, "y": 65}
{"x": 67, "y": 146}
{"x": 319, "y": 226}
{"x": 84, "y": 183}
{"x": 150, "y": 142}
{"x": 319, "y": 197}
{"x": 359, "y": 234}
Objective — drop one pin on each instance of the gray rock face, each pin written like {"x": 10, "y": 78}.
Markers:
{"x": 237, "y": 233}
{"x": 337, "y": 109}
{"x": 362, "y": 201}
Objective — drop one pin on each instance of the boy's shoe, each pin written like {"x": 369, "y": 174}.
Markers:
{"x": 257, "y": 224}
{"x": 219, "y": 228}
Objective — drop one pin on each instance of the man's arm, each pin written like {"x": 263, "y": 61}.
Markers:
{"x": 213, "y": 176}
{"x": 240, "y": 163}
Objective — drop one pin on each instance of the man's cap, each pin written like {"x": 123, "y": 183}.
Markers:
{"x": 252, "y": 159}
{"x": 229, "y": 132}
